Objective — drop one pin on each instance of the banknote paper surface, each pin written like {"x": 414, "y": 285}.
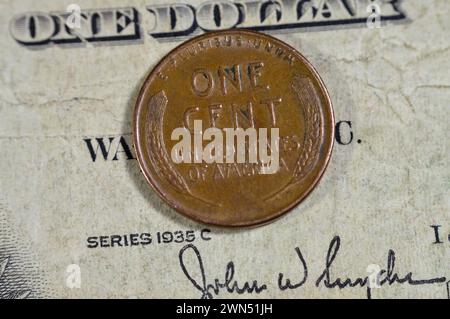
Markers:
{"x": 78, "y": 220}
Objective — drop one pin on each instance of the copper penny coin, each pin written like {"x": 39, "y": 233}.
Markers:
{"x": 233, "y": 128}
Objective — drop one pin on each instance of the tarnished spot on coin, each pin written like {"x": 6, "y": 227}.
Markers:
{"x": 233, "y": 128}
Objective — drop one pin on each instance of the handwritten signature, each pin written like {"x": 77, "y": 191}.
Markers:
{"x": 387, "y": 276}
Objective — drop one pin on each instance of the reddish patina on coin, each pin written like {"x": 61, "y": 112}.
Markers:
{"x": 228, "y": 80}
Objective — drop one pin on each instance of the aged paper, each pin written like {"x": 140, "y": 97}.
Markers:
{"x": 78, "y": 220}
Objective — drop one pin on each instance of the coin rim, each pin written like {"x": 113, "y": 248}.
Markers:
{"x": 185, "y": 211}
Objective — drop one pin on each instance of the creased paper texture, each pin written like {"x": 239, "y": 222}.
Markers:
{"x": 78, "y": 220}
